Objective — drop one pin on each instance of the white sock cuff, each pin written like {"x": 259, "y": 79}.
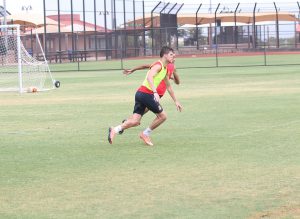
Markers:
{"x": 118, "y": 128}
{"x": 147, "y": 131}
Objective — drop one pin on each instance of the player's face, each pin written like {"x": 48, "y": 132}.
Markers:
{"x": 170, "y": 57}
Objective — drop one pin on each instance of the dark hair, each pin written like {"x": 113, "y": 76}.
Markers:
{"x": 165, "y": 50}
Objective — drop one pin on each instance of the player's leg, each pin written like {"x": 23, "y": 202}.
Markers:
{"x": 121, "y": 132}
{"x": 145, "y": 135}
{"x": 133, "y": 120}
{"x": 161, "y": 116}
{"x": 138, "y": 111}
{"x": 146, "y": 110}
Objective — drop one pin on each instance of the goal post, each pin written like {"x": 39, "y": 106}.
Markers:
{"x": 19, "y": 70}
{"x": 18, "y": 57}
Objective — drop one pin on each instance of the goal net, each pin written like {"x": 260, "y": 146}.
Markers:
{"x": 20, "y": 71}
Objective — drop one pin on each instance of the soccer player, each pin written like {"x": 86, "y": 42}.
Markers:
{"x": 161, "y": 89}
{"x": 148, "y": 97}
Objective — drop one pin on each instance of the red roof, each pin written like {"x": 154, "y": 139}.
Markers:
{"x": 65, "y": 20}
{"x": 298, "y": 27}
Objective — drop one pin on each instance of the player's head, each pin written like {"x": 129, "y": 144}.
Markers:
{"x": 165, "y": 50}
{"x": 168, "y": 53}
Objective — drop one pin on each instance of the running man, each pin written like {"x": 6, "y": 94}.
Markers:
{"x": 148, "y": 97}
{"x": 161, "y": 89}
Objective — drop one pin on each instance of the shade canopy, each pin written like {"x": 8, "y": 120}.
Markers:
{"x": 246, "y": 18}
{"x": 65, "y": 29}
{"x": 29, "y": 19}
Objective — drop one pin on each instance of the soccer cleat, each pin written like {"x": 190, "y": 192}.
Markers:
{"x": 121, "y": 132}
{"x": 146, "y": 139}
{"x": 111, "y": 135}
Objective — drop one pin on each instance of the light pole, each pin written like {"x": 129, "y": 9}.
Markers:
{"x": 210, "y": 27}
{"x": 26, "y": 8}
{"x": 4, "y": 6}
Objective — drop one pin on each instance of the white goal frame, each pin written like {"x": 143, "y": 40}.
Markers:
{"x": 32, "y": 73}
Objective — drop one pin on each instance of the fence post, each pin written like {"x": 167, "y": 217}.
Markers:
{"x": 114, "y": 23}
{"x": 298, "y": 24}
{"x": 216, "y": 36}
{"x": 265, "y": 53}
{"x": 125, "y": 33}
{"x": 95, "y": 30}
{"x": 277, "y": 27}
{"x": 177, "y": 25}
{"x": 136, "y": 49}
{"x": 144, "y": 26}
{"x": 59, "y": 31}
{"x": 84, "y": 29}
{"x": 105, "y": 26}
{"x": 160, "y": 28}
{"x": 197, "y": 26}
{"x": 152, "y": 27}
{"x": 168, "y": 31}
{"x": 122, "y": 41}
{"x": 45, "y": 29}
{"x": 235, "y": 27}
{"x": 254, "y": 29}
{"x": 72, "y": 29}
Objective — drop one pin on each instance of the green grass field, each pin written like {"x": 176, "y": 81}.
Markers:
{"x": 234, "y": 152}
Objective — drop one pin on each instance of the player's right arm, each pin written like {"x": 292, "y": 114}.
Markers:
{"x": 140, "y": 67}
{"x": 171, "y": 92}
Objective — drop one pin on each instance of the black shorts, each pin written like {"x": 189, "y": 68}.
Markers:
{"x": 143, "y": 101}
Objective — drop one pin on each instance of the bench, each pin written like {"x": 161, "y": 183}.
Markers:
{"x": 63, "y": 55}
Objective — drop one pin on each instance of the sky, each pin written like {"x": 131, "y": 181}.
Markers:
{"x": 190, "y": 6}
{"x": 15, "y": 6}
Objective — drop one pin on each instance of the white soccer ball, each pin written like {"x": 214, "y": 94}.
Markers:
{"x": 32, "y": 89}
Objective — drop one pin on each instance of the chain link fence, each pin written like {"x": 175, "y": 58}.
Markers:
{"x": 110, "y": 34}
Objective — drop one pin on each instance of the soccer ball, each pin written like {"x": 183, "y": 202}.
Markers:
{"x": 57, "y": 84}
{"x": 32, "y": 90}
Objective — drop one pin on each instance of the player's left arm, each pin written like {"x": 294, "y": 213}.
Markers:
{"x": 172, "y": 94}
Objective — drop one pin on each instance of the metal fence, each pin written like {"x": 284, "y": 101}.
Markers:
{"x": 110, "y": 33}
